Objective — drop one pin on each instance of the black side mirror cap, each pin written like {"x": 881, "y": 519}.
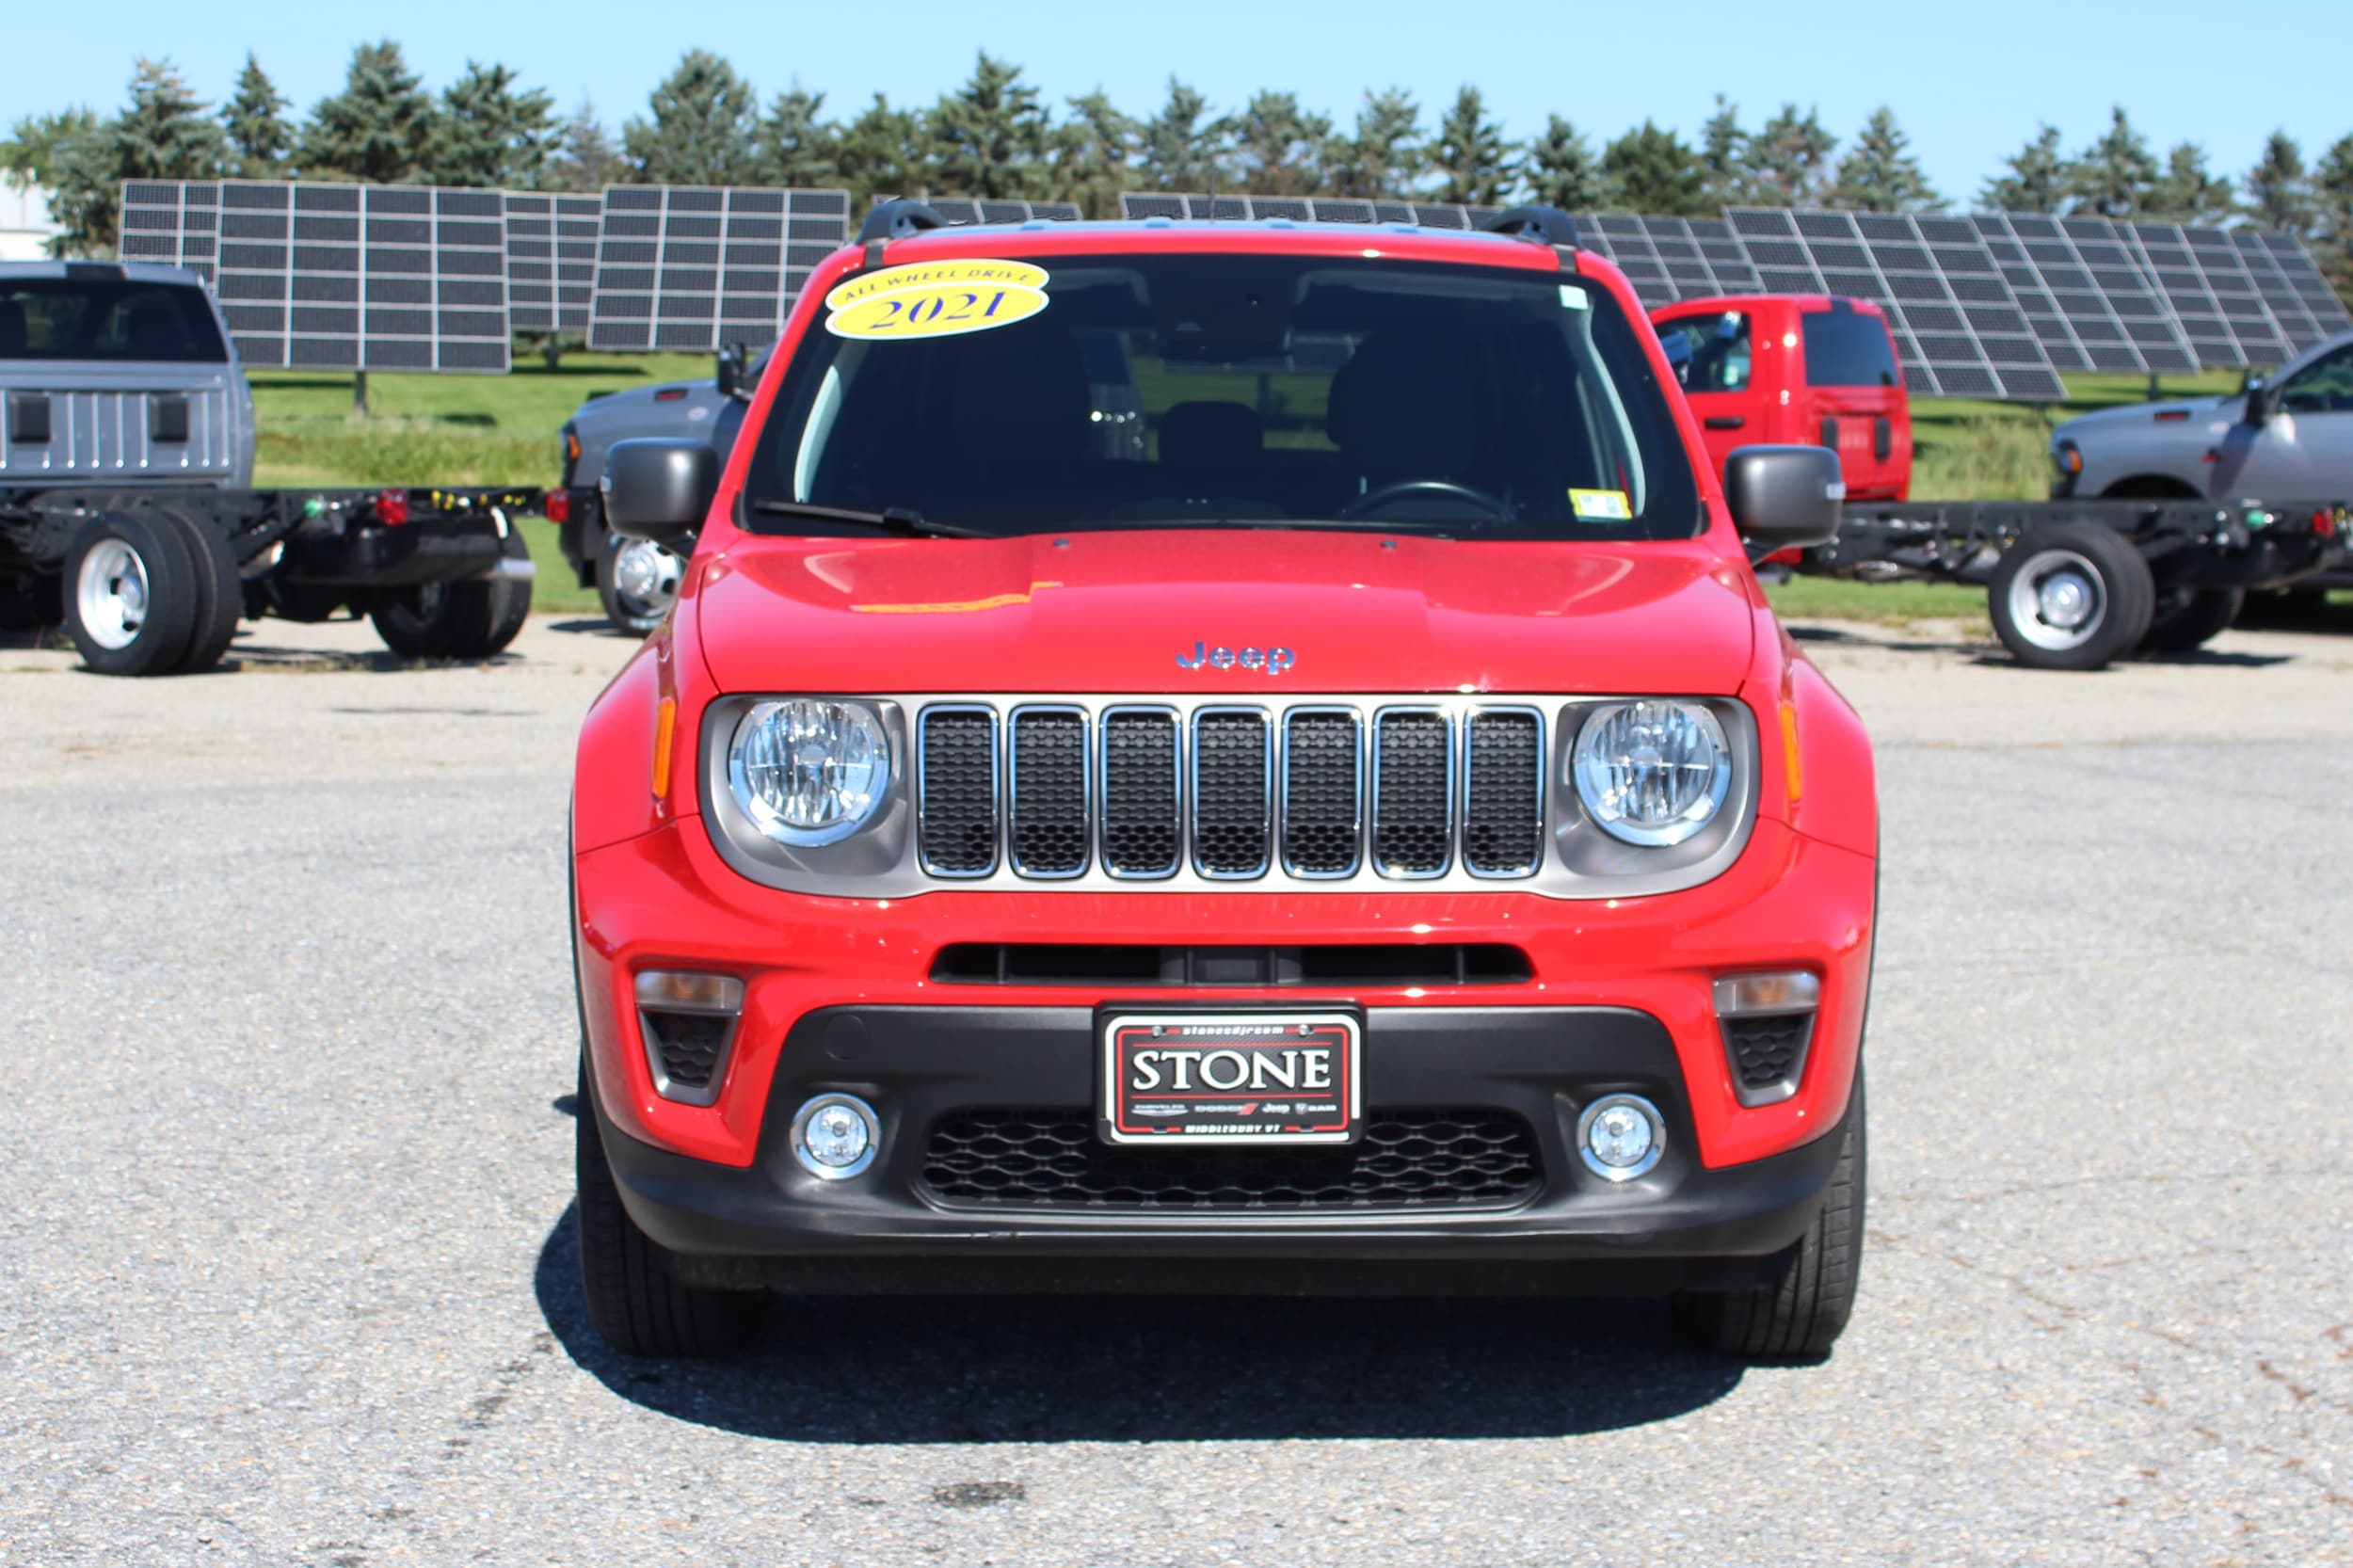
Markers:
{"x": 1784, "y": 497}
{"x": 2261, "y": 396}
{"x": 658, "y": 488}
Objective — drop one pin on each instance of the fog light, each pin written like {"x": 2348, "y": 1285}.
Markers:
{"x": 836, "y": 1136}
{"x": 1620, "y": 1137}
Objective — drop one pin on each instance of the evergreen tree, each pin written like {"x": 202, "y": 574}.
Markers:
{"x": 488, "y": 133}
{"x": 1178, "y": 151}
{"x": 1470, "y": 156}
{"x": 1381, "y": 158}
{"x": 1562, "y": 171}
{"x": 1879, "y": 174}
{"x": 2113, "y": 176}
{"x": 884, "y": 153}
{"x": 255, "y": 118}
{"x": 2037, "y": 180}
{"x": 2332, "y": 201}
{"x": 2187, "y": 192}
{"x": 795, "y": 147}
{"x": 163, "y": 133}
{"x": 1093, "y": 150}
{"x": 990, "y": 137}
{"x": 2276, "y": 194}
{"x": 29, "y": 156}
{"x": 1279, "y": 146}
{"x": 376, "y": 129}
{"x": 1724, "y": 155}
{"x": 585, "y": 159}
{"x": 703, "y": 127}
{"x": 1652, "y": 170}
{"x": 1789, "y": 159}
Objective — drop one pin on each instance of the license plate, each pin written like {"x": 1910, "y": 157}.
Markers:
{"x": 1232, "y": 1078}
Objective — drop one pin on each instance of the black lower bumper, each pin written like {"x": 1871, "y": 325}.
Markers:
{"x": 773, "y": 1223}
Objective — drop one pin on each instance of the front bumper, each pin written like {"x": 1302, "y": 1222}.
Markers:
{"x": 1681, "y": 1224}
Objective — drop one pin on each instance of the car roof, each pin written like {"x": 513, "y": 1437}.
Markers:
{"x": 1199, "y": 236}
{"x": 104, "y": 272}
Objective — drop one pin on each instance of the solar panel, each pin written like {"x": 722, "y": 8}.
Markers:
{"x": 2178, "y": 268}
{"x": 551, "y": 260}
{"x": 2295, "y": 264}
{"x": 2106, "y": 312}
{"x": 1301, "y": 209}
{"x": 1667, "y": 258}
{"x": 2299, "y": 328}
{"x": 687, "y": 268}
{"x": 176, "y": 222}
{"x": 961, "y": 210}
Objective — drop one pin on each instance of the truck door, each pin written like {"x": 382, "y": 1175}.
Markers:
{"x": 1711, "y": 350}
{"x": 1855, "y": 399}
{"x": 2304, "y": 452}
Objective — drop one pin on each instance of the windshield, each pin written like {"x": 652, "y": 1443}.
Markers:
{"x": 75, "y": 318}
{"x": 1180, "y": 390}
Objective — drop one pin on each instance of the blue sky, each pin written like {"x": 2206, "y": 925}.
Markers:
{"x": 1968, "y": 82}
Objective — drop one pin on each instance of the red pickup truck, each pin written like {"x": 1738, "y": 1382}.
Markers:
{"x": 1807, "y": 369}
{"x": 1220, "y": 758}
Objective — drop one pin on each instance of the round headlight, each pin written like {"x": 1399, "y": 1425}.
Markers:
{"x": 807, "y": 772}
{"x": 1653, "y": 773}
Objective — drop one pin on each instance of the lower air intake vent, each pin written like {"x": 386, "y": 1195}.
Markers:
{"x": 1769, "y": 1054}
{"x": 687, "y": 1045}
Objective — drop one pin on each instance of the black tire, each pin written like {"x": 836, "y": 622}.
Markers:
{"x": 2188, "y": 618}
{"x": 1799, "y": 1315}
{"x": 151, "y": 639}
{"x": 219, "y": 593}
{"x": 2090, "y": 569}
{"x": 452, "y": 620}
{"x": 634, "y": 1302}
{"x": 638, "y": 615}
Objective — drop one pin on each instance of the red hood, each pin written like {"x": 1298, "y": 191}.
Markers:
{"x": 1112, "y": 612}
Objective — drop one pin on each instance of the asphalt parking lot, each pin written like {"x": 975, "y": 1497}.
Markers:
{"x": 286, "y": 1259}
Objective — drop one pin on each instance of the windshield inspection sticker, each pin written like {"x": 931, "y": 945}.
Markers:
{"x": 1600, "y": 506}
{"x": 935, "y": 299}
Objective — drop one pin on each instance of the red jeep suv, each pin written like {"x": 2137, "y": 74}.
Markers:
{"x": 1220, "y": 758}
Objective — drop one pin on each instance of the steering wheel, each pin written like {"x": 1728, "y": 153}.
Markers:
{"x": 1372, "y": 501}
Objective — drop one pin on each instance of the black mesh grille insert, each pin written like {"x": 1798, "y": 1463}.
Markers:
{"x": 1407, "y": 1160}
{"x": 1501, "y": 830}
{"x": 959, "y": 825}
{"x": 689, "y": 1044}
{"x": 1409, "y": 808}
{"x": 1050, "y": 797}
{"x": 1141, "y": 827}
{"x": 1767, "y": 1051}
{"x": 1229, "y": 808}
{"x": 1321, "y": 793}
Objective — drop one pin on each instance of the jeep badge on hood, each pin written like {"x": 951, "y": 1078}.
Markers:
{"x": 1274, "y": 661}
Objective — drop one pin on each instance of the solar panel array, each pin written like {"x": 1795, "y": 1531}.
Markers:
{"x": 688, "y": 268}
{"x": 2086, "y": 295}
{"x": 1303, "y": 209}
{"x": 551, "y": 260}
{"x": 959, "y": 210}
{"x": 1667, "y": 258}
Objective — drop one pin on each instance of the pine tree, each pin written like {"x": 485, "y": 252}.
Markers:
{"x": 1093, "y": 149}
{"x": 2113, "y": 176}
{"x": 884, "y": 153}
{"x": 795, "y": 147}
{"x": 586, "y": 160}
{"x": 2037, "y": 180}
{"x": 1178, "y": 151}
{"x": 2187, "y": 191}
{"x": 1381, "y": 158}
{"x": 1562, "y": 171}
{"x": 1472, "y": 161}
{"x": 376, "y": 128}
{"x": 488, "y": 133}
{"x": 2276, "y": 194}
{"x": 704, "y": 124}
{"x": 163, "y": 133}
{"x": 1788, "y": 159}
{"x": 2332, "y": 201}
{"x": 1652, "y": 170}
{"x": 1279, "y": 146}
{"x": 29, "y": 156}
{"x": 990, "y": 137}
{"x": 255, "y": 118}
{"x": 1724, "y": 155}
{"x": 1879, "y": 174}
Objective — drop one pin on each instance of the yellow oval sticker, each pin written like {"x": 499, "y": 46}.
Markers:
{"x": 970, "y": 269}
{"x": 935, "y": 310}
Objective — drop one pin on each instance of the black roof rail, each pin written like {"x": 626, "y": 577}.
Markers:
{"x": 1541, "y": 225}
{"x": 899, "y": 219}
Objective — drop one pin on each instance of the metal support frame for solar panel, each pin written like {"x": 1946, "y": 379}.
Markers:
{"x": 2112, "y": 313}
{"x": 175, "y": 222}
{"x": 956, "y": 209}
{"x": 2299, "y": 325}
{"x": 551, "y": 260}
{"x": 1301, "y": 209}
{"x": 690, "y": 268}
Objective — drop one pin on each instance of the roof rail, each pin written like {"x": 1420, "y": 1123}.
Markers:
{"x": 1540, "y": 225}
{"x": 898, "y": 221}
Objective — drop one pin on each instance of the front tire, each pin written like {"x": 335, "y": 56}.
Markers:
{"x": 2071, "y": 596}
{"x": 634, "y": 1302}
{"x": 1799, "y": 1315}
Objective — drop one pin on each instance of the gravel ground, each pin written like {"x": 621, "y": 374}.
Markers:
{"x": 286, "y": 1268}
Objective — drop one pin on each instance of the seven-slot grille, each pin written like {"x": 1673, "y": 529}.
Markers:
{"x": 1311, "y": 792}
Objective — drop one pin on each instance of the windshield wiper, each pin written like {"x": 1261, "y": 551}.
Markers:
{"x": 890, "y": 520}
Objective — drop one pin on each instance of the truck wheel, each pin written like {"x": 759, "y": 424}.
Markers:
{"x": 634, "y": 1303}
{"x": 638, "y": 581}
{"x": 130, "y": 602}
{"x": 220, "y": 592}
{"x": 452, "y": 620}
{"x": 1802, "y": 1313}
{"x": 2071, "y": 596}
{"x": 2187, "y": 618}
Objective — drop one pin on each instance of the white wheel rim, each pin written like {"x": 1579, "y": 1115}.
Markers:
{"x": 111, "y": 596}
{"x": 2058, "y": 600}
{"x": 645, "y": 576}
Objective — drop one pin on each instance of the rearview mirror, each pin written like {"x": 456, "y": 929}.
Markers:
{"x": 1784, "y": 497}
{"x": 658, "y": 489}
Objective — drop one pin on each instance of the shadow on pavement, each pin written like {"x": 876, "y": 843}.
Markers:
{"x": 1129, "y": 1369}
{"x": 599, "y": 627}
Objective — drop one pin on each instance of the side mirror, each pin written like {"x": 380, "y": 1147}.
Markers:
{"x": 658, "y": 489}
{"x": 2262, "y": 398}
{"x": 734, "y": 359}
{"x": 1784, "y": 497}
